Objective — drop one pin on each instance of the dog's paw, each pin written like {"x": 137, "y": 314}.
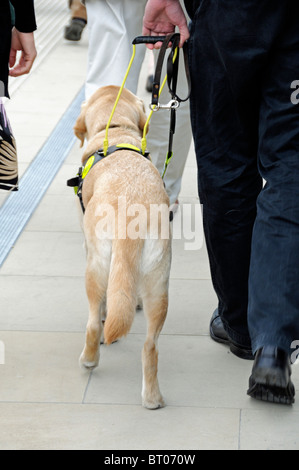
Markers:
{"x": 153, "y": 403}
{"x": 88, "y": 364}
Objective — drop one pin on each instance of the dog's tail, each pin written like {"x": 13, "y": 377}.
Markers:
{"x": 122, "y": 288}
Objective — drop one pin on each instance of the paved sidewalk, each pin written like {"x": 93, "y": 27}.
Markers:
{"x": 46, "y": 401}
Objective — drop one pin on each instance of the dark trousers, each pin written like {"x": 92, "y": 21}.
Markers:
{"x": 244, "y": 58}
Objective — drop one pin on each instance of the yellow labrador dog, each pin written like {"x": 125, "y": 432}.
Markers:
{"x": 126, "y": 227}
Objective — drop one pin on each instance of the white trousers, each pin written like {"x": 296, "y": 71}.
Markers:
{"x": 113, "y": 24}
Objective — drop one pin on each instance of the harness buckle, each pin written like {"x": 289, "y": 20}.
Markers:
{"x": 173, "y": 104}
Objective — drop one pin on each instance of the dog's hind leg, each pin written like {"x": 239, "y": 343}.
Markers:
{"x": 155, "y": 306}
{"x": 96, "y": 293}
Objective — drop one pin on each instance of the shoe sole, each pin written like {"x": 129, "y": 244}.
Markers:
{"x": 268, "y": 385}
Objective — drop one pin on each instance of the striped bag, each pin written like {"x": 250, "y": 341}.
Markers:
{"x": 8, "y": 154}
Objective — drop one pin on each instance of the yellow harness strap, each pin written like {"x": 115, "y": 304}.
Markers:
{"x": 106, "y": 144}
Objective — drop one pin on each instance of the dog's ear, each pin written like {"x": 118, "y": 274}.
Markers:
{"x": 80, "y": 125}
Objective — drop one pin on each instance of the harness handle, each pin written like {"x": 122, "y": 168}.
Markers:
{"x": 148, "y": 39}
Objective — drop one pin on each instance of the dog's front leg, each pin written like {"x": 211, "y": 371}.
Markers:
{"x": 96, "y": 296}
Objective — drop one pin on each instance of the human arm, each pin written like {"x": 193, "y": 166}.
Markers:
{"x": 22, "y": 38}
{"x": 161, "y": 17}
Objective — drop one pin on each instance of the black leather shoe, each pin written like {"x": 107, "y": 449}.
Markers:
{"x": 271, "y": 377}
{"x": 218, "y": 334}
{"x": 73, "y": 32}
{"x": 149, "y": 83}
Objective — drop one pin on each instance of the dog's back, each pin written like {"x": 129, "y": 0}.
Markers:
{"x": 126, "y": 227}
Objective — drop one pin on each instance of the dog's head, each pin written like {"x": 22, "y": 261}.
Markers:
{"x": 95, "y": 113}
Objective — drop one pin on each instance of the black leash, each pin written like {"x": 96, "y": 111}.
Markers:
{"x": 172, "y": 68}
